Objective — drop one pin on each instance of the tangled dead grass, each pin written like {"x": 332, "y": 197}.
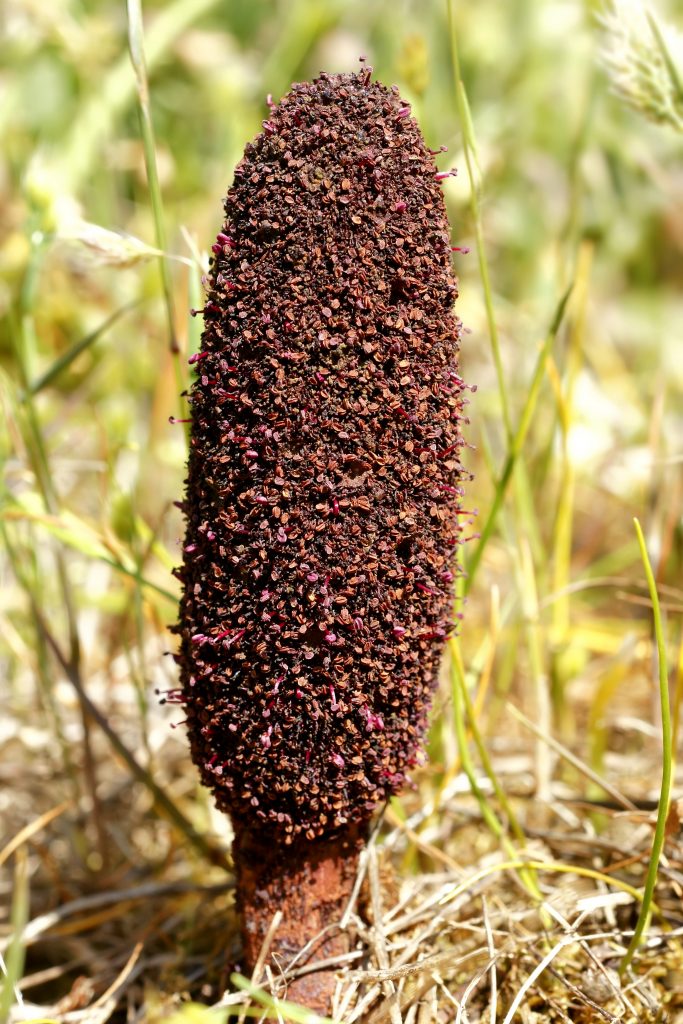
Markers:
{"x": 443, "y": 923}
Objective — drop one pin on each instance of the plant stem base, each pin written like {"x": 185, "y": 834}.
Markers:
{"x": 311, "y": 883}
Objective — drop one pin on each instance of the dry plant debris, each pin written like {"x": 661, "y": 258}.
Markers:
{"x": 156, "y": 937}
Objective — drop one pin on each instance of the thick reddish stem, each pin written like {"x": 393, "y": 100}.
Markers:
{"x": 311, "y": 883}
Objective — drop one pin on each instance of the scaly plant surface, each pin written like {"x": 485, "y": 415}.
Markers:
{"x": 323, "y": 491}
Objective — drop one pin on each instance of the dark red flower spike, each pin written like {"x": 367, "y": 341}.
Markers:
{"x": 322, "y": 498}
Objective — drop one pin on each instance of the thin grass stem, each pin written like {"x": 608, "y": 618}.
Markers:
{"x": 278, "y": 1007}
{"x": 488, "y": 814}
{"x": 75, "y": 350}
{"x": 487, "y": 765}
{"x": 517, "y": 442}
{"x": 470, "y": 151}
{"x": 665, "y": 789}
{"x": 137, "y": 55}
{"x": 14, "y": 963}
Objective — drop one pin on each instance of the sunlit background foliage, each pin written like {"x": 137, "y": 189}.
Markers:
{"x": 580, "y": 186}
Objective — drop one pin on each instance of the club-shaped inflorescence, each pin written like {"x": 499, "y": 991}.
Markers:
{"x": 324, "y": 476}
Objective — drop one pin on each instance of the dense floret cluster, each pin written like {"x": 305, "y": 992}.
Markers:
{"x": 324, "y": 474}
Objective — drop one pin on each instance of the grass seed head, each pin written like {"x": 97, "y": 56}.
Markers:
{"x": 643, "y": 57}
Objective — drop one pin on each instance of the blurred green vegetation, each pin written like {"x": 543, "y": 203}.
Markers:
{"x": 581, "y": 195}
{"x": 577, "y": 190}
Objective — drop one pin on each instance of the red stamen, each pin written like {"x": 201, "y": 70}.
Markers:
{"x": 233, "y": 639}
{"x": 265, "y": 738}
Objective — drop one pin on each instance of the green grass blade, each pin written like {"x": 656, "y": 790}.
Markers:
{"x": 137, "y": 56}
{"x": 667, "y": 759}
{"x": 517, "y": 441}
{"x": 80, "y": 151}
{"x": 74, "y": 533}
{"x": 14, "y": 965}
{"x": 279, "y": 1008}
{"x": 163, "y": 802}
{"x": 470, "y": 150}
{"x": 564, "y": 519}
{"x": 461, "y": 705}
{"x": 487, "y": 765}
{"x": 82, "y": 345}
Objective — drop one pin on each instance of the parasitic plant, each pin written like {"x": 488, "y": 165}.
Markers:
{"x": 322, "y": 498}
